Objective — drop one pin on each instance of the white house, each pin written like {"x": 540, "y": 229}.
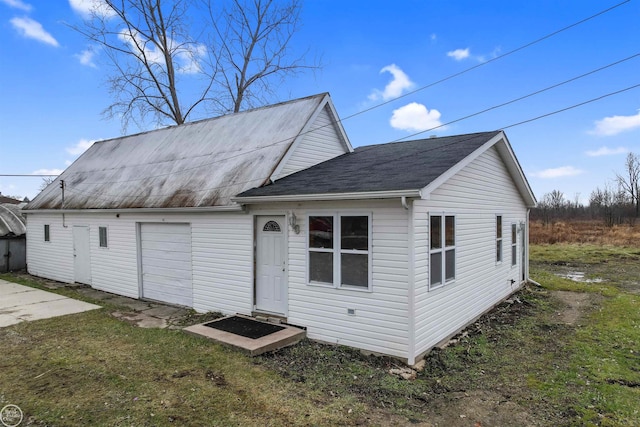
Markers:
{"x": 389, "y": 248}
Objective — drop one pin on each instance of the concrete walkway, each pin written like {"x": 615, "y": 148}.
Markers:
{"x": 20, "y": 303}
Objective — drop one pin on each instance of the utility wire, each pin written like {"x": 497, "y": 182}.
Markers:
{"x": 220, "y": 160}
{"x": 110, "y": 196}
{"x": 520, "y": 98}
{"x": 452, "y": 76}
{"x": 25, "y": 174}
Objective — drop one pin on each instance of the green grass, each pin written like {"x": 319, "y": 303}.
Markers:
{"x": 93, "y": 369}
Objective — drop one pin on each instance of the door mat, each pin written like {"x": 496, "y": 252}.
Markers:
{"x": 245, "y": 327}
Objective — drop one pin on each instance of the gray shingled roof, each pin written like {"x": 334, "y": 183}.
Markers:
{"x": 407, "y": 165}
{"x": 199, "y": 164}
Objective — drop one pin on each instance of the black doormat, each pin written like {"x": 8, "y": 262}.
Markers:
{"x": 242, "y": 326}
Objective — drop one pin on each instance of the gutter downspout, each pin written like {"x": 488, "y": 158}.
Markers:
{"x": 63, "y": 215}
{"x": 529, "y": 279}
{"x": 403, "y": 200}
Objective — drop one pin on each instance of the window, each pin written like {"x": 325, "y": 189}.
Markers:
{"x": 442, "y": 250}
{"x": 514, "y": 240}
{"x": 47, "y": 233}
{"x": 340, "y": 250}
{"x": 499, "y": 238}
{"x": 102, "y": 236}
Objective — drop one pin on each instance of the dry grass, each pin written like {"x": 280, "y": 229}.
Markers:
{"x": 581, "y": 231}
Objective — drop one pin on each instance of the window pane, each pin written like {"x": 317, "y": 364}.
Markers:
{"x": 436, "y": 232}
{"x": 450, "y": 231}
{"x": 513, "y": 233}
{"x": 450, "y": 264}
{"x": 321, "y": 232}
{"x": 355, "y": 269}
{"x": 354, "y": 232}
{"x": 499, "y": 250}
{"x": 321, "y": 267}
{"x": 102, "y": 234}
{"x": 499, "y": 226}
{"x": 46, "y": 233}
{"x": 514, "y": 260}
{"x": 436, "y": 268}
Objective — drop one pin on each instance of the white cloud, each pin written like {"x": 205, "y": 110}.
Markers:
{"x": 186, "y": 55}
{"x": 18, "y": 4}
{"x": 396, "y": 87}
{"x": 86, "y": 57}
{"x": 560, "y": 172}
{"x": 47, "y": 172}
{"x": 80, "y": 147}
{"x": 33, "y": 30}
{"x": 459, "y": 54}
{"x": 462, "y": 54}
{"x": 433, "y": 37}
{"x": 616, "y": 124}
{"x": 606, "y": 151}
{"x": 89, "y": 8}
{"x": 415, "y": 117}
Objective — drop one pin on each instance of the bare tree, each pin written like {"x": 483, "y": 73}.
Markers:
{"x": 253, "y": 38}
{"x": 159, "y": 50}
{"x": 629, "y": 182}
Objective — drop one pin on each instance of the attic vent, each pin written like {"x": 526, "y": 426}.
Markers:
{"x": 271, "y": 226}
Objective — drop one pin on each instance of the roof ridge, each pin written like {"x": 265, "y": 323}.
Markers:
{"x": 362, "y": 147}
{"x": 208, "y": 119}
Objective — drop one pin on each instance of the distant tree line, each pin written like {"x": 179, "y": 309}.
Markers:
{"x": 618, "y": 202}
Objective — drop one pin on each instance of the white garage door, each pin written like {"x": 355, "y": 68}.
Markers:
{"x": 166, "y": 263}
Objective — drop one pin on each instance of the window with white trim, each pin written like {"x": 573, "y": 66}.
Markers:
{"x": 498, "y": 238}
{"x": 442, "y": 250}
{"x": 102, "y": 237}
{"x": 339, "y": 248}
{"x": 514, "y": 240}
{"x": 47, "y": 233}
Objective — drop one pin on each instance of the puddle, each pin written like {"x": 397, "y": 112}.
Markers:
{"x": 578, "y": 276}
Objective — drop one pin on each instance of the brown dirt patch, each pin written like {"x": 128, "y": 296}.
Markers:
{"x": 575, "y": 305}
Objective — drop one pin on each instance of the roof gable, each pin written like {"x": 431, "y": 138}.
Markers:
{"x": 412, "y": 168}
{"x": 410, "y": 165}
{"x": 323, "y": 138}
{"x": 199, "y": 164}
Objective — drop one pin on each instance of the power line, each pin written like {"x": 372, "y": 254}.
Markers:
{"x": 452, "y": 76}
{"x": 28, "y": 174}
{"x": 602, "y": 12}
{"x": 521, "y": 97}
{"x": 573, "y": 106}
{"x": 109, "y": 196}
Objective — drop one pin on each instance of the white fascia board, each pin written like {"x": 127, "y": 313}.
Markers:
{"x": 203, "y": 209}
{"x": 328, "y": 196}
{"x": 506, "y": 152}
{"x": 338, "y": 123}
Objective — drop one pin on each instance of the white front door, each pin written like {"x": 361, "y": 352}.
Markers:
{"x": 81, "y": 255}
{"x": 271, "y": 268}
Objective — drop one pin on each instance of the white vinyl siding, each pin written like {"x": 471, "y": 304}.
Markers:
{"x": 475, "y": 194}
{"x": 380, "y": 321}
{"x": 223, "y": 263}
{"x": 222, "y": 255}
{"x": 321, "y": 143}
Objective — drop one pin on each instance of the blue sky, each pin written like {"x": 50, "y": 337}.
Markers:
{"x": 52, "y": 91}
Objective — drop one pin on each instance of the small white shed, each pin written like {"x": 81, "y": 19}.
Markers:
{"x": 389, "y": 248}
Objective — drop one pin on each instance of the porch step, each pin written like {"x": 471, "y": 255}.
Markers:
{"x": 289, "y": 335}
